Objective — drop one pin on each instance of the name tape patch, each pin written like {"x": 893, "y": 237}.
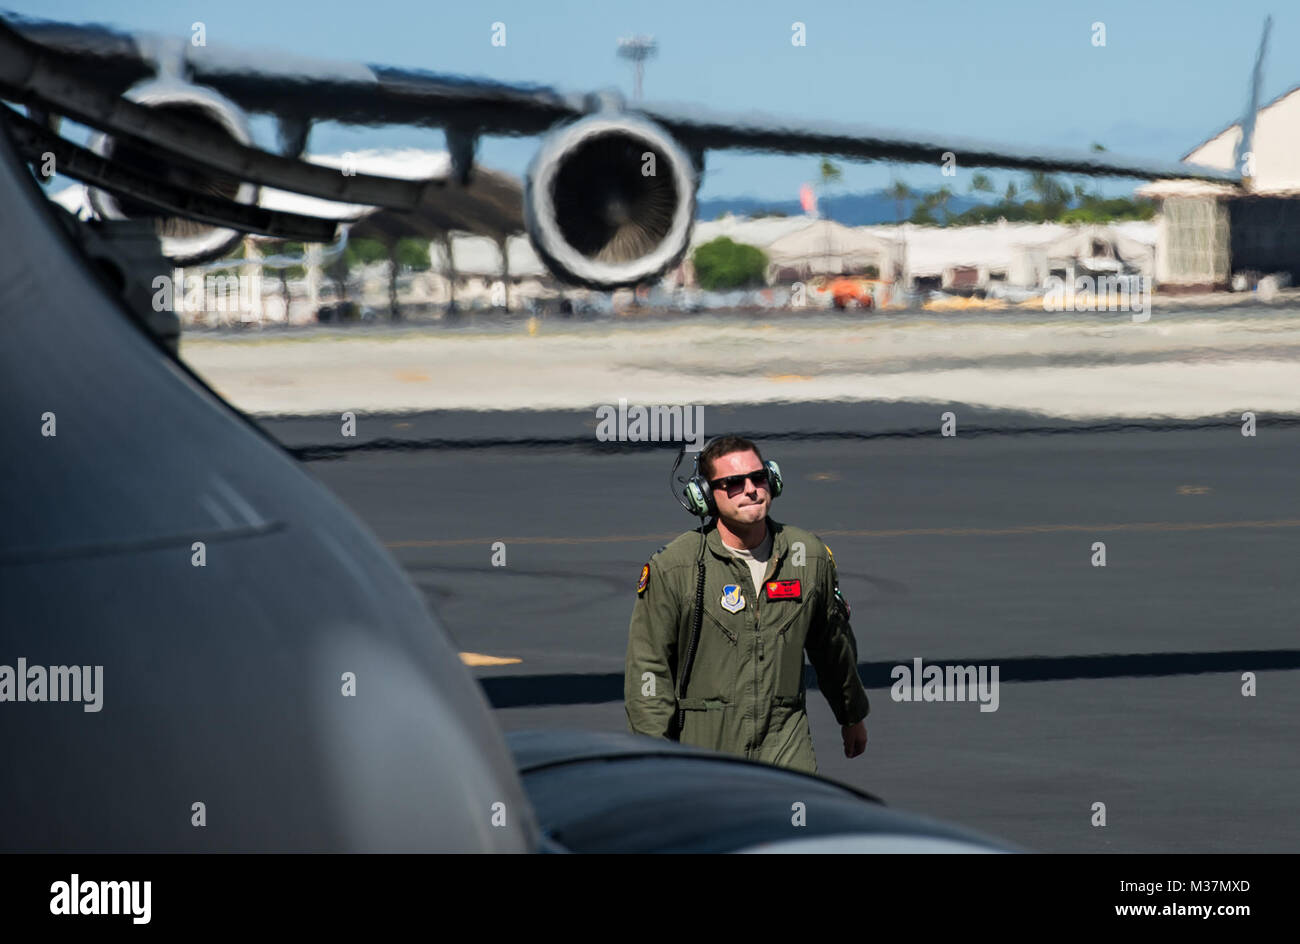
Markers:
{"x": 784, "y": 590}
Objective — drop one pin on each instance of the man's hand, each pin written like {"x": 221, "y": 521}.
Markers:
{"x": 855, "y": 738}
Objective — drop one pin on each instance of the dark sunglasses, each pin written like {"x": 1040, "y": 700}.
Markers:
{"x": 734, "y": 483}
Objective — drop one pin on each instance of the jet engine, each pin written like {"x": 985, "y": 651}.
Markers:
{"x": 609, "y": 200}
{"x": 184, "y": 242}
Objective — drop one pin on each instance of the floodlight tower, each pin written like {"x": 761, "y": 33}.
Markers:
{"x": 638, "y": 49}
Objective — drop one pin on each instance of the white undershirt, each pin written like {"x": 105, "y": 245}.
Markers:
{"x": 756, "y": 559}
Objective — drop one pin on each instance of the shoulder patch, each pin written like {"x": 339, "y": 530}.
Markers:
{"x": 644, "y": 581}
{"x": 828, "y": 551}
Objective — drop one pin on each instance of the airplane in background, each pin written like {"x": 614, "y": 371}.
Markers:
{"x": 222, "y": 681}
{"x": 609, "y": 199}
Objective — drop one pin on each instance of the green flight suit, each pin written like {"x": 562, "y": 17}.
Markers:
{"x": 745, "y": 692}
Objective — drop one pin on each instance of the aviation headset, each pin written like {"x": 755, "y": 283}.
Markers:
{"x": 697, "y": 496}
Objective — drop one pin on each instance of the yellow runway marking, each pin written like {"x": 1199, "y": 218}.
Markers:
{"x": 411, "y": 376}
{"x": 788, "y": 378}
{"x": 892, "y": 533}
{"x": 477, "y": 658}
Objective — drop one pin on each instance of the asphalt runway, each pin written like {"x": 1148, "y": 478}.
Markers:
{"x": 1120, "y": 685}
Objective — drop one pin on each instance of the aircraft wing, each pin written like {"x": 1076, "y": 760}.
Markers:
{"x": 324, "y": 90}
{"x": 618, "y": 230}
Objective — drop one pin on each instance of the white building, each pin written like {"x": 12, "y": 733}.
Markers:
{"x": 1209, "y": 231}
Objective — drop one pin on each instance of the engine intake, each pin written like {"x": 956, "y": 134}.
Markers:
{"x": 610, "y": 201}
{"x": 184, "y": 242}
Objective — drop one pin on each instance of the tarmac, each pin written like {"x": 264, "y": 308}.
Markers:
{"x": 1084, "y": 366}
{"x": 1161, "y": 685}
{"x": 1123, "y": 685}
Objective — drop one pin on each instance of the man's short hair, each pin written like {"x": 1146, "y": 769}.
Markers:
{"x": 724, "y": 446}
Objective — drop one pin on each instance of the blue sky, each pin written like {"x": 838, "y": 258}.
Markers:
{"x": 1024, "y": 72}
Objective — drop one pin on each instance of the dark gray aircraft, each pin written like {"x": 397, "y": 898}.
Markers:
{"x": 203, "y": 650}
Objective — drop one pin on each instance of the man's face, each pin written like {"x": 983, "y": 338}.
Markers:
{"x": 740, "y": 502}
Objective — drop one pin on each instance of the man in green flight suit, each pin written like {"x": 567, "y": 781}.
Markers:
{"x": 770, "y": 593}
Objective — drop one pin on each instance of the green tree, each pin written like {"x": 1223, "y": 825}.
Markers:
{"x": 922, "y": 215}
{"x": 414, "y": 254}
{"x": 283, "y": 248}
{"x": 364, "y": 252}
{"x": 1108, "y": 210}
{"x": 900, "y": 193}
{"x": 981, "y": 183}
{"x": 830, "y": 173}
{"x": 941, "y": 198}
{"x": 722, "y": 264}
{"x": 1052, "y": 195}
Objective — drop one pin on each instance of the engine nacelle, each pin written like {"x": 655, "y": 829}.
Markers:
{"x": 609, "y": 200}
{"x": 184, "y": 242}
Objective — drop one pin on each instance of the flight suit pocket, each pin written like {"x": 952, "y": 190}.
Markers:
{"x": 788, "y": 655}
{"x": 789, "y": 740}
{"x": 710, "y": 619}
{"x": 711, "y": 686}
{"x": 704, "y": 722}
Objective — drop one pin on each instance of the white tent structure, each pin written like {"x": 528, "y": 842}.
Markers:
{"x": 481, "y": 256}
{"x": 1128, "y": 248}
{"x": 761, "y": 232}
{"x": 824, "y": 247}
{"x": 972, "y": 256}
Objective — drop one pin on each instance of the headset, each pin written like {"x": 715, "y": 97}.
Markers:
{"x": 697, "y": 495}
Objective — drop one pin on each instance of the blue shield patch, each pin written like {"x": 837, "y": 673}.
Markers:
{"x": 733, "y": 601}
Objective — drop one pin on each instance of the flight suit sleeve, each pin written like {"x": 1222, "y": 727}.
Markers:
{"x": 833, "y": 652}
{"x": 650, "y": 678}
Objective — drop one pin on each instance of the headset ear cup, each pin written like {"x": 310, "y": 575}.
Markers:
{"x": 699, "y": 496}
{"x": 699, "y": 493}
{"x": 774, "y": 478}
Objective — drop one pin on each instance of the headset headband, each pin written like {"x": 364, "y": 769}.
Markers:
{"x": 697, "y": 496}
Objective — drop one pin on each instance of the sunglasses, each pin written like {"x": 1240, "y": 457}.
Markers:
{"x": 735, "y": 483}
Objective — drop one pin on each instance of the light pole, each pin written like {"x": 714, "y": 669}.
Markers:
{"x": 638, "y": 49}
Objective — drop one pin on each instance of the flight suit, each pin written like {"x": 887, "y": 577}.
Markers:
{"x": 745, "y": 690}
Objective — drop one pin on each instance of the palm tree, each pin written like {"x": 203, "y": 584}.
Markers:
{"x": 900, "y": 193}
{"x": 941, "y": 198}
{"x": 1051, "y": 195}
{"x": 830, "y": 174}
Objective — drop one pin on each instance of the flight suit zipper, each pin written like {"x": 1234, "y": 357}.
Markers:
{"x": 773, "y": 566}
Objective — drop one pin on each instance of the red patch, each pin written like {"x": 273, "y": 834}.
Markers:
{"x": 784, "y": 590}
